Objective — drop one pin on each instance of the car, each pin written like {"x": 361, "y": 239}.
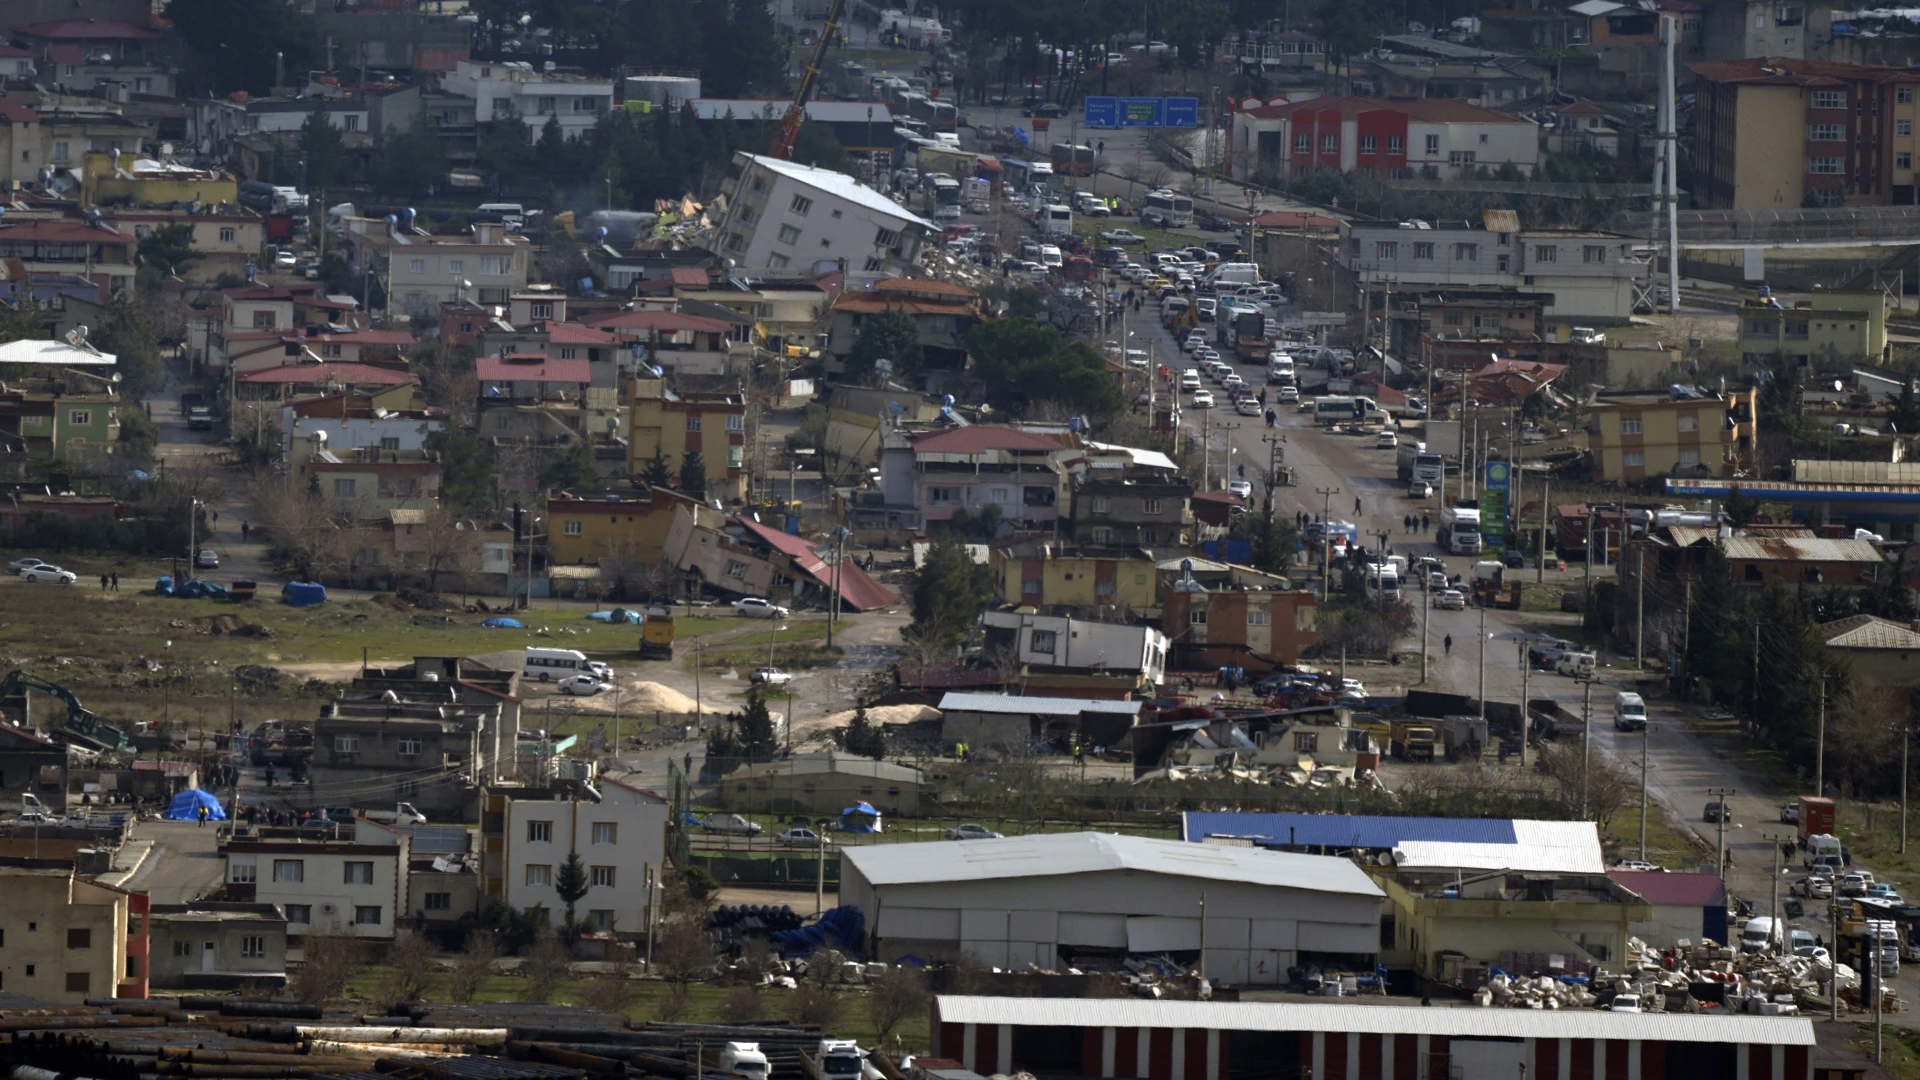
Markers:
{"x": 1419, "y": 489}
{"x": 770, "y": 676}
{"x": 946, "y": 213}
{"x": 1813, "y": 887}
{"x": 1717, "y": 812}
{"x": 1624, "y": 1003}
{"x": 730, "y": 823}
{"x": 45, "y": 572}
{"x": 1640, "y": 865}
{"x": 800, "y": 836}
{"x": 1241, "y": 488}
{"x": 1353, "y": 686}
{"x": 1436, "y": 580}
{"x": 972, "y": 832}
{"x": 284, "y": 260}
{"x": 1190, "y": 380}
{"x": 21, "y": 566}
{"x": 756, "y": 607}
{"x": 1853, "y": 885}
{"x": 1247, "y": 406}
{"x": 1122, "y": 236}
{"x": 1790, "y": 813}
{"x": 1288, "y": 395}
{"x": 1386, "y": 440}
{"x": 1880, "y": 890}
{"x": 1233, "y": 381}
{"x": 1216, "y": 223}
{"x": 207, "y": 559}
{"x": 583, "y": 685}
{"x": 1203, "y": 399}
{"x": 1450, "y": 600}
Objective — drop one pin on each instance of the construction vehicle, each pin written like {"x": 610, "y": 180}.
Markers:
{"x": 737, "y": 1058}
{"x": 834, "y": 1059}
{"x": 1411, "y": 740}
{"x": 656, "y": 634}
{"x": 79, "y": 721}
{"x": 275, "y": 743}
{"x": 1250, "y": 336}
{"x": 789, "y": 129}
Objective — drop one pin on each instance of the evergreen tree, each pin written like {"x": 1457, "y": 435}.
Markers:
{"x": 949, "y": 592}
{"x": 864, "y": 737}
{"x": 1741, "y": 507}
{"x": 467, "y": 467}
{"x": 323, "y": 148}
{"x": 656, "y": 473}
{"x": 168, "y": 248}
{"x": 571, "y": 884}
{"x": 1715, "y": 625}
{"x": 693, "y": 474}
{"x": 755, "y": 729}
{"x": 576, "y": 470}
{"x": 1905, "y": 417}
{"x": 893, "y": 336}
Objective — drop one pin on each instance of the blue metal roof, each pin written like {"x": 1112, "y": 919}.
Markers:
{"x": 1346, "y": 830}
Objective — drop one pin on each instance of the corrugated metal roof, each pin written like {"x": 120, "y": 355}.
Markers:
{"x": 1661, "y": 887}
{"x": 1869, "y": 632}
{"x": 1346, "y": 830}
{"x": 1857, "y": 472}
{"x": 1460, "y": 1021}
{"x": 1798, "y": 549}
{"x": 1055, "y": 854}
{"x": 1035, "y": 706}
{"x": 1520, "y": 858}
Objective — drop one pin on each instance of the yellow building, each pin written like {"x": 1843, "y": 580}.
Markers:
{"x": 66, "y": 937}
{"x": 1035, "y": 572}
{"x": 1835, "y": 322}
{"x": 1438, "y": 929}
{"x": 127, "y": 180}
{"x": 1635, "y": 436}
{"x": 613, "y": 527}
{"x": 671, "y": 424}
{"x": 225, "y": 238}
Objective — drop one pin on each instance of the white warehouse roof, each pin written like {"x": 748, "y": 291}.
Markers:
{"x": 1539, "y": 847}
{"x": 842, "y": 186}
{"x": 1017, "y": 705}
{"x": 1054, "y": 854}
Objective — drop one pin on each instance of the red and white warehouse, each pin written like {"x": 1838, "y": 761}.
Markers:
{"x": 1392, "y": 138}
{"x": 1138, "y": 1039}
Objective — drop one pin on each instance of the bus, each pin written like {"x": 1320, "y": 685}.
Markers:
{"x": 1077, "y": 161}
{"x": 937, "y": 114}
{"x": 1167, "y": 209}
{"x": 940, "y": 190}
{"x": 1345, "y": 410}
{"x": 1056, "y": 220}
{"x": 550, "y": 664}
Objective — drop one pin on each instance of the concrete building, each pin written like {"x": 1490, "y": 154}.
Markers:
{"x": 670, "y": 424}
{"x": 369, "y": 483}
{"x": 1391, "y": 139}
{"x": 31, "y": 763}
{"x": 353, "y": 422}
{"x": 1832, "y": 324}
{"x": 822, "y": 784}
{"x": 739, "y": 556}
{"x": 375, "y": 754}
{"x": 1514, "y": 921}
{"x": 1014, "y": 724}
{"x": 1518, "y": 844}
{"x": 618, "y": 838}
{"x": 67, "y": 938}
{"x": 353, "y": 888}
{"x": 1776, "y": 133}
{"x": 1034, "y": 571}
{"x": 939, "y": 474}
{"x": 1090, "y": 898}
{"x": 1148, "y": 508}
{"x": 419, "y": 273}
{"x": 783, "y": 215}
{"x": 218, "y": 945}
{"x": 46, "y": 422}
{"x": 1881, "y": 652}
{"x": 1692, "y": 906}
{"x": 510, "y": 89}
{"x": 225, "y": 238}
{"x": 1590, "y": 275}
{"x": 942, "y": 311}
{"x": 1258, "y": 630}
{"x": 616, "y": 530}
{"x": 1636, "y": 436}
{"x": 97, "y": 252}
{"x": 1242, "y": 1040}
{"x": 1063, "y": 643}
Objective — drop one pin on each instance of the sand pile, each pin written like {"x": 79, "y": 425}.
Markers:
{"x": 657, "y": 697}
{"x": 883, "y": 714}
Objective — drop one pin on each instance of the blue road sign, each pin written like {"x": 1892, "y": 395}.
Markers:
{"x": 1182, "y": 112}
{"x": 1143, "y": 112}
{"x": 1103, "y": 112}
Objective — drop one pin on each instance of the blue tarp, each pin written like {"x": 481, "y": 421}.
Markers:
{"x": 504, "y": 623}
{"x": 840, "y": 928}
{"x": 186, "y": 806}
{"x": 861, "y": 817}
{"x": 303, "y": 594}
{"x": 617, "y": 615}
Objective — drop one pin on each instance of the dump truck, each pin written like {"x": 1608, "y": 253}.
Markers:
{"x": 1250, "y": 336}
{"x": 738, "y": 1058}
{"x": 656, "y": 634}
{"x": 1411, "y": 741}
{"x": 1815, "y": 816}
{"x": 833, "y": 1059}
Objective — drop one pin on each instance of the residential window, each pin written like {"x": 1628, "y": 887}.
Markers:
{"x": 1903, "y": 128}
{"x": 143, "y": 86}
{"x": 1329, "y": 143}
{"x": 330, "y": 351}
{"x": 1466, "y": 252}
{"x": 1367, "y": 143}
{"x": 439, "y": 901}
{"x": 299, "y": 914}
{"x": 603, "y": 876}
{"x": 366, "y": 915}
{"x": 290, "y": 871}
{"x": 1826, "y": 133}
{"x": 736, "y": 423}
{"x": 416, "y": 266}
{"x": 1688, "y": 422}
{"x": 253, "y": 947}
{"x": 801, "y": 205}
{"x": 226, "y": 234}
{"x": 885, "y": 238}
{"x": 568, "y": 352}
{"x": 351, "y": 122}
{"x": 1825, "y": 166}
{"x": 606, "y": 832}
{"x": 1903, "y": 160}
{"x": 495, "y": 264}
{"x": 1150, "y": 506}
{"x": 1102, "y": 535}
{"x": 407, "y": 747}
{"x": 789, "y": 234}
{"x": 602, "y": 918}
{"x": 777, "y": 261}
{"x": 456, "y": 266}
{"x": 346, "y": 744}
{"x": 79, "y": 937}
{"x": 1197, "y": 617}
{"x": 1593, "y": 253}
{"x": 1634, "y": 459}
{"x": 241, "y": 873}
{"x": 60, "y": 148}
{"x": 1828, "y": 99}
{"x": 79, "y": 982}
{"x": 1302, "y": 143}
{"x": 539, "y": 874}
{"x": 539, "y": 832}
{"x": 79, "y": 418}
{"x": 1259, "y": 618}
{"x": 1423, "y": 249}
{"x": 1386, "y": 249}
{"x": 548, "y": 105}
{"x": 1689, "y": 459}
{"x": 1306, "y": 742}
{"x": 183, "y": 948}
{"x": 1461, "y": 157}
{"x": 1149, "y": 537}
{"x": 1433, "y": 144}
{"x": 1102, "y": 505}
{"x": 736, "y": 570}
{"x": 874, "y": 264}
{"x": 1546, "y": 253}
{"x": 693, "y": 422}
{"x": 1629, "y": 425}
{"x": 1903, "y": 95}
{"x": 263, "y": 320}
{"x": 1043, "y": 641}
{"x": 1396, "y": 144}
{"x": 1030, "y": 587}
{"x": 358, "y": 873}
{"x": 389, "y": 442}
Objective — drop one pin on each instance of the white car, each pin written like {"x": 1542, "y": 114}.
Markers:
{"x": 1233, "y": 381}
{"x": 1190, "y": 379}
{"x": 1122, "y": 236}
{"x": 45, "y": 572}
{"x": 770, "y": 676}
{"x": 1240, "y": 488}
{"x": 1386, "y": 440}
{"x": 207, "y": 559}
{"x": 1450, "y": 600}
{"x": 21, "y": 566}
{"x": 807, "y": 837}
{"x": 755, "y": 607}
{"x": 1202, "y": 399}
{"x": 1289, "y": 395}
{"x": 971, "y": 832}
{"x": 1353, "y": 686}
{"x": 582, "y": 685}
{"x": 1247, "y": 406}
{"x": 284, "y": 260}
{"x": 1635, "y": 864}
{"x": 1419, "y": 489}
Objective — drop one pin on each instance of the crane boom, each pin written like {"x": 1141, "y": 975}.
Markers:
{"x": 789, "y": 129}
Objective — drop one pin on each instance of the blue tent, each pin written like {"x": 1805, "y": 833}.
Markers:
{"x": 186, "y": 806}
{"x": 504, "y": 623}
{"x": 861, "y": 817}
{"x": 303, "y": 594}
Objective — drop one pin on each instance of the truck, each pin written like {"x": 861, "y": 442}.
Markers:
{"x": 1412, "y": 461}
{"x": 656, "y": 634}
{"x": 1411, "y": 740}
{"x": 833, "y": 1059}
{"x": 1815, "y": 816}
{"x": 1459, "y": 531}
{"x": 1382, "y": 583}
{"x": 401, "y": 814}
{"x": 1280, "y": 369}
{"x": 199, "y": 418}
{"x": 1250, "y": 337}
{"x": 738, "y": 1058}
{"x": 1490, "y": 588}
{"x": 976, "y": 194}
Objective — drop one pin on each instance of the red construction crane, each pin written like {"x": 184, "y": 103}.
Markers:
{"x": 797, "y": 112}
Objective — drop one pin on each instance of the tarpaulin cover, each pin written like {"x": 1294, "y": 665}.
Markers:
{"x": 861, "y": 817}
{"x": 840, "y": 928}
{"x": 303, "y": 593}
{"x": 186, "y": 806}
{"x": 504, "y": 623}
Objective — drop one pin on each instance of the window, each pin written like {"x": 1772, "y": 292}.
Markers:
{"x": 547, "y": 105}
{"x": 1466, "y": 252}
{"x": 1259, "y": 618}
{"x": 183, "y": 948}
{"x": 79, "y": 982}
{"x": 1501, "y": 264}
{"x": 299, "y": 914}
{"x": 885, "y": 238}
{"x": 1368, "y": 143}
{"x": 458, "y": 266}
{"x": 1903, "y": 95}
{"x": 1386, "y": 249}
{"x": 143, "y": 86}
{"x": 350, "y": 122}
{"x": 1149, "y": 537}
{"x": 777, "y": 261}
{"x": 1461, "y": 157}
{"x": 60, "y": 148}
{"x": 253, "y": 947}
{"x": 290, "y": 871}
{"x": 1903, "y": 128}
{"x": 1689, "y": 422}
{"x": 407, "y": 747}
{"x": 1102, "y": 535}
{"x": 1102, "y": 505}
{"x": 572, "y": 528}
{"x": 539, "y": 832}
{"x": 1629, "y": 425}
{"x": 1903, "y": 160}
{"x": 1197, "y": 617}
{"x": 800, "y": 205}
{"x": 693, "y": 422}
{"x": 1825, "y": 133}
{"x": 1634, "y": 459}
{"x": 539, "y": 874}
{"x": 1546, "y": 253}
{"x": 603, "y": 876}
{"x": 1829, "y": 99}
{"x": 1306, "y": 742}
{"x": 263, "y": 320}
{"x": 1423, "y": 249}
{"x": 789, "y": 234}
{"x": 602, "y": 918}
{"x": 586, "y": 104}
{"x": 80, "y": 938}
{"x": 1043, "y": 641}
{"x": 736, "y": 570}
{"x": 1150, "y": 507}
{"x": 366, "y": 915}
{"x": 1030, "y": 587}
{"x": 416, "y": 266}
{"x": 1689, "y": 459}
{"x": 346, "y": 744}
{"x": 1593, "y": 253}
{"x": 1302, "y": 143}
{"x": 1330, "y": 143}
{"x": 1825, "y": 166}
{"x": 606, "y": 832}
{"x": 439, "y": 901}
{"x": 79, "y": 418}
{"x": 736, "y": 423}
{"x": 241, "y": 873}
{"x": 495, "y": 264}
{"x": 1433, "y": 144}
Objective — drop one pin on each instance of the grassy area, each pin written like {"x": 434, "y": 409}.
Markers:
{"x": 800, "y": 647}
{"x": 1541, "y": 597}
{"x": 1156, "y": 238}
{"x": 1902, "y": 1049}
{"x": 704, "y": 1002}
{"x": 1666, "y": 845}
{"x": 1872, "y": 832}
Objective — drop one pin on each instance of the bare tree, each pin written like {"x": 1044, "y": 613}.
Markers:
{"x": 329, "y": 962}
{"x": 744, "y": 1004}
{"x": 447, "y": 542}
{"x": 609, "y": 993}
{"x": 898, "y": 995}
{"x": 545, "y": 965}
{"x": 971, "y": 975}
{"x": 473, "y": 967}
{"x": 409, "y": 965}
{"x": 814, "y": 1006}
{"x": 300, "y": 526}
{"x": 1605, "y": 788}
{"x": 683, "y": 953}
{"x": 672, "y": 1004}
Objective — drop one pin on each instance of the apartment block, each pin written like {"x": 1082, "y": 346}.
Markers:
{"x": 1849, "y": 324}
{"x": 335, "y": 887}
{"x": 1251, "y": 628}
{"x": 420, "y": 272}
{"x": 510, "y": 89}
{"x": 1675, "y": 432}
{"x": 1389, "y": 138}
{"x": 618, "y": 831}
{"x": 1588, "y": 274}
{"x": 66, "y": 938}
{"x": 671, "y": 424}
{"x": 785, "y": 215}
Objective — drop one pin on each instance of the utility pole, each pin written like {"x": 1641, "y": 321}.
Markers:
{"x": 1720, "y": 838}
{"x": 1525, "y": 671}
{"x": 1646, "y": 736}
{"x": 1546, "y": 488}
{"x": 1426, "y": 636}
{"x": 1774, "y": 839}
{"x": 1820, "y": 743}
{"x": 1906, "y": 742}
{"x": 1640, "y": 610}
{"x": 1203, "y": 933}
{"x": 1833, "y": 985}
{"x": 1586, "y": 738}
{"x": 1326, "y": 540}
{"x": 1753, "y": 689}
{"x": 1483, "y": 660}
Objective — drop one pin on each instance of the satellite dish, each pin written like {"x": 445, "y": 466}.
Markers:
{"x": 166, "y": 149}
{"x": 116, "y": 377}
{"x": 883, "y": 366}
{"x": 896, "y": 408}
{"x": 465, "y": 284}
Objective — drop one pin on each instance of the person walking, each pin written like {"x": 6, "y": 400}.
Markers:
{"x": 201, "y": 813}
{"x": 243, "y": 532}
{"x": 1356, "y": 506}
{"x": 1448, "y": 644}
{"x": 103, "y": 583}
{"x": 1423, "y": 523}
{"x": 115, "y": 579}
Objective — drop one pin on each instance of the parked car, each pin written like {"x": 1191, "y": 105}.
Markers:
{"x": 1241, "y": 488}
{"x": 1813, "y": 887}
{"x": 46, "y": 572}
{"x": 1247, "y": 406}
{"x": 1122, "y": 236}
{"x": 21, "y": 566}
{"x": 1853, "y": 885}
{"x": 207, "y": 559}
{"x": 1289, "y": 394}
{"x": 1880, "y": 890}
{"x": 770, "y": 676}
{"x": 755, "y": 607}
{"x": 971, "y": 832}
{"x": 1790, "y": 813}
{"x": 1718, "y": 812}
{"x": 583, "y": 685}
{"x": 801, "y": 837}
{"x": 1635, "y": 864}
{"x": 1450, "y": 600}
{"x": 1386, "y": 440}
{"x": 1419, "y": 489}
{"x": 731, "y": 823}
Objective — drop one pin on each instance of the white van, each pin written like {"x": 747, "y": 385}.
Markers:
{"x": 1280, "y": 370}
{"x": 1580, "y": 665}
{"x": 1209, "y": 307}
{"x": 1056, "y": 220}
{"x": 512, "y": 214}
{"x": 1230, "y": 274}
{"x": 1629, "y": 711}
{"x": 1050, "y": 256}
{"x": 1762, "y": 934}
{"x": 550, "y": 664}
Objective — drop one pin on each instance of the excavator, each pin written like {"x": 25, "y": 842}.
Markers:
{"x": 79, "y": 721}
{"x": 789, "y": 129}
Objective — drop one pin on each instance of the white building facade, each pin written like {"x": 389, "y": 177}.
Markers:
{"x": 334, "y": 887}
{"x": 618, "y": 839}
{"x": 504, "y": 89}
{"x": 419, "y": 273}
{"x": 785, "y": 217}
{"x": 1062, "y": 642}
{"x": 1592, "y": 275}
{"x": 1394, "y": 139}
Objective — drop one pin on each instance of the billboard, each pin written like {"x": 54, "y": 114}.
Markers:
{"x": 1493, "y": 504}
{"x": 1150, "y": 112}
{"x": 1443, "y": 437}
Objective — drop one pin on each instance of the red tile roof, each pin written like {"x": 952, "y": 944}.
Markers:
{"x": 689, "y": 277}
{"x": 1660, "y": 887}
{"x": 1581, "y": 108}
{"x": 669, "y": 321}
{"x": 858, "y": 589}
{"x": 72, "y": 232}
{"x": 320, "y": 374}
{"x": 980, "y": 438}
{"x": 572, "y": 333}
{"x": 1428, "y": 110}
{"x": 923, "y": 285}
{"x": 494, "y": 369}
{"x": 18, "y": 112}
{"x": 87, "y": 30}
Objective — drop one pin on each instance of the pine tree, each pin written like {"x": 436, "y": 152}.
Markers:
{"x": 864, "y": 737}
{"x": 949, "y": 593}
{"x": 571, "y": 884}
{"x": 693, "y": 474}
{"x": 757, "y": 741}
{"x": 656, "y": 473}
{"x": 324, "y": 149}
{"x": 1741, "y": 507}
